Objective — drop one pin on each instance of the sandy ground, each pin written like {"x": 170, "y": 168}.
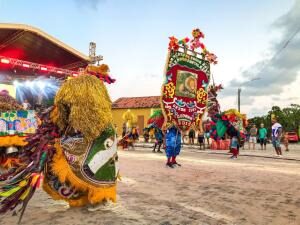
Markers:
{"x": 208, "y": 189}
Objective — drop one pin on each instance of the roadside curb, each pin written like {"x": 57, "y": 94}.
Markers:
{"x": 248, "y": 155}
{"x": 195, "y": 149}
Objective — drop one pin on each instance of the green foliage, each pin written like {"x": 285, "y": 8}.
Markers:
{"x": 156, "y": 113}
{"x": 288, "y": 117}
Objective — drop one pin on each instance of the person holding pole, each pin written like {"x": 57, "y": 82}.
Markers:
{"x": 173, "y": 146}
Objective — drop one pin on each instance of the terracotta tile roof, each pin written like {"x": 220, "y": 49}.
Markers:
{"x": 137, "y": 102}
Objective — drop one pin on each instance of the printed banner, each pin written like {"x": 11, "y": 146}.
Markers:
{"x": 18, "y": 123}
{"x": 184, "y": 92}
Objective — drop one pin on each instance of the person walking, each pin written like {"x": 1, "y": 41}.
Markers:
{"x": 124, "y": 130}
{"x": 276, "y": 135}
{"x": 252, "y": 139}
{"x": 146, "y": 135}
{"x": 159, "y": 136}
{"x": 207, "y": 128}
{"x": 234, "y": 146}
{"x": 285, "y": 139}
{"x": 173, "y": 146}
{"x": 262, "y": 134}
{"x": 201, "y": 140}
{"x": 191, "y": 136}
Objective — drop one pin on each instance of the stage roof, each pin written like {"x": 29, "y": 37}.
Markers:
{"x": 31, "y": 44}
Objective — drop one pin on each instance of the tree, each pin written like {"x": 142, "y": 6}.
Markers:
{"x": 288, "y": 117}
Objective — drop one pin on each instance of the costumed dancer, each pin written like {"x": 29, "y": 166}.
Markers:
{"x": 213, "y": 108}
{"x": 185, "y": 89}
{"x": 135, "y": 134}
{"x": 146, "y": 134}
{"x": 73, "y": 154}
{"x": 159, "y": 136}
{"x": 155, "y": 123}
{"x": 130, "y": 138}
{"x": 130, "y": 134}
{"x": 173, "y": 146}
{"x": 223, "y": 124}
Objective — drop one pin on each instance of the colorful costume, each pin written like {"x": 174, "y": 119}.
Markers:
{"x": 230, "y": 122}
{"x": 74, "y": 150}
{"x": 155, "y": 123}
{"x": 185, "y": 90}
{"x": 130, "y": 133}
{"x": 173, "y": 145}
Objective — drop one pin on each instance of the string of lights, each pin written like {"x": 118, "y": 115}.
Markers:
{"x": 36, "y": 66}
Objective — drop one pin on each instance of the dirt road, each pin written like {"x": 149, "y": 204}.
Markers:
{"x": 208, "y": 189}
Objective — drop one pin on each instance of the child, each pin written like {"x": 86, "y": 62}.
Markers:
{"x": 285, "y": 138}
{"x": 201, "y": 140}
{"x": 234, "y": 147}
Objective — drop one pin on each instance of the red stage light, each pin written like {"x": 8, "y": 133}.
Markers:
{"x": 25, "y": 65}
{"x": 44, "y": 68}
{"x": 60, "y": 72}
{"x": 5, "y": 61}
{"x": 75, "y": 74}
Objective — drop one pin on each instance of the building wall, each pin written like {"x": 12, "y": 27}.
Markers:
{"x": 118, "y": 120}
{"x": 10, "y": 88}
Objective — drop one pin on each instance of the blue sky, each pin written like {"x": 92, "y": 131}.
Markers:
{"x": 133, "y": 35}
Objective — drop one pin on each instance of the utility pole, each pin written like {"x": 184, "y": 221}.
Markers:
{"x": 239, "y": 99}
{"x": 240, "y": 90}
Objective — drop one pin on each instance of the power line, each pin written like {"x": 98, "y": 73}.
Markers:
{"x": 286, "y": 43}
{"x": 281, "y": 49}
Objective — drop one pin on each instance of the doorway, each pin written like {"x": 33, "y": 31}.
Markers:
{"x": 140, "y": 123}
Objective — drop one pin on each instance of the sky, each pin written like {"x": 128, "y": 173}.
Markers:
{"x": 132, "y": 36}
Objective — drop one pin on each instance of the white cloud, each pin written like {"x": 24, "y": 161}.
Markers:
{"x": 279, "y": 78}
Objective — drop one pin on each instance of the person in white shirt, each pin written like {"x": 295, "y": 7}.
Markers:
{"x": 26, "y": 105}
{"x": 276, "y": 135}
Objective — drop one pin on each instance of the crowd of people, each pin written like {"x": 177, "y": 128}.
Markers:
{"x": 278, "y": 136}
{"x": 202, "y": 138}
{"x": 262, "y": 136}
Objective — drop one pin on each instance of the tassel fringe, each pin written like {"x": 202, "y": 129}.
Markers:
{"x": 61, "y": 168}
